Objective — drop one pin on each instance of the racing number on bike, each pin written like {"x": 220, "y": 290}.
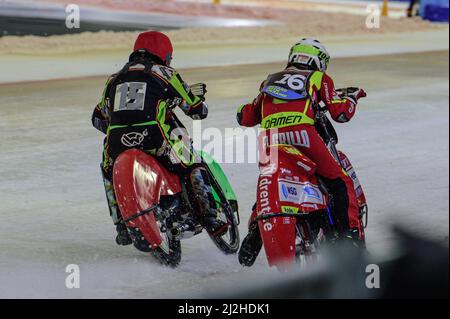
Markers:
{"x": 130, "y": 96}
{"x": 294, "y": 81}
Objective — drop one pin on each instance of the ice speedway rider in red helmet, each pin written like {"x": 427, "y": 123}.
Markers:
{"x": 133, "y": 113}
{"x": 308, "y": 62}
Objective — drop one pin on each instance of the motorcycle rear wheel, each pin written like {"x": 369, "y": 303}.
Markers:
{"x": 307, "y": 246}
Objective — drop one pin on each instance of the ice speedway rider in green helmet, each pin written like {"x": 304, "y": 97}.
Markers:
{"x": 133, "y": 113}
{"x": 307, "y": 66}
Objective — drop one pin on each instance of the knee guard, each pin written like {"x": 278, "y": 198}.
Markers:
{"x": 111, "y": 198}
{"x": 201, "y": 187}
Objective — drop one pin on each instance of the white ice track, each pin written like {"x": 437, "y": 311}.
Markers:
{"x": 53, "y": 207}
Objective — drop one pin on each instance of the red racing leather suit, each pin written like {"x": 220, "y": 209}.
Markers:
{"x": 292, "y": 122}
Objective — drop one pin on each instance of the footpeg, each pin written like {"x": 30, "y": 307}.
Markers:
{"x": 186, "y": 230}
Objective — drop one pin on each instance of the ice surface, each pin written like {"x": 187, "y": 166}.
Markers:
{"x": 53, "y": 206}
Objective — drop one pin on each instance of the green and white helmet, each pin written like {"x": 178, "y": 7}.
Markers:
{"x": 311, "y": 53}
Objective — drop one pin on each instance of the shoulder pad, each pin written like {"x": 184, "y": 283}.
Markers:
{"x": 164, "y": 71}
{"x": 111, "y": 78}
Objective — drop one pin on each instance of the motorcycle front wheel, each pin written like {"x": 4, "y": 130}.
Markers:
{"x": 228, "y": 241}
{"x": 168, "y": 253}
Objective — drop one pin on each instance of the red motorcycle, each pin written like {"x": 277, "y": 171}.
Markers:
{"x": 157, "y": 210}
{"x": 294, "y": 210}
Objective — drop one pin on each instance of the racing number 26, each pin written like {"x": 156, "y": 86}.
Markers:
{"x": 294, "y": 81}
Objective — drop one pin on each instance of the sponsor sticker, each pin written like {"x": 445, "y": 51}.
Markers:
{"x": 300, "y": 193}
{"x": 289, "y": 209}
{"x": 267, "y": 226}
{"x": 311, "y": 192}
{"x": 133, "y": 139}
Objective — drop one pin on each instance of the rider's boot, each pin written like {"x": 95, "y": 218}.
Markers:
{"x": 251, "y": 246}
{"x": 341, "y": 204}
{"x": 352, "y": 236}
{"x": 202, "y": 190}
{"x": 123, "y": 237}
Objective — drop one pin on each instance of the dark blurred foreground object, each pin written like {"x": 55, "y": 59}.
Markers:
{"x": 421, "y": 271}
{"x": 434, "y": 10}
{"x": 419, "y": 268}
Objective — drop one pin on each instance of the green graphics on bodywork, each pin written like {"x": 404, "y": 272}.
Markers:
{"x": 182, "y": 89}
{"x": 220, "y": 177}
{"x": 180, "y": 148}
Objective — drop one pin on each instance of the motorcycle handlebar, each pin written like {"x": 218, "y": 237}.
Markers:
{"x": 346, "y": 91}
{"x": 342, "y": 92}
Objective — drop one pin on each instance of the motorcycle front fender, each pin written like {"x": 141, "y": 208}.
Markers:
{"x": 219, "y": 175}
{"x": 139, "y": 181}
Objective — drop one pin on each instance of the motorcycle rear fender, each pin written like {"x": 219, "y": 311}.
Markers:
{"x": 278, "y": 236}
{"x": 279, "y": 176}
{"x": 139, "y": 181}
{"x": 287, "y": 157}
{"x": 277, "y": 233}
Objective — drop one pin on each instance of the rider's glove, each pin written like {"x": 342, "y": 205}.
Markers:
{"x": 99, "y": 121}
{"x": 199, "y": 89}
{"x": 101, "y": 125}
{"x": 174, "y": 102}
{"x": 352, "y": 93}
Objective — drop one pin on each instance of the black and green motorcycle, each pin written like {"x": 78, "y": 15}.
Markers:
{"x": 157, "y": 207}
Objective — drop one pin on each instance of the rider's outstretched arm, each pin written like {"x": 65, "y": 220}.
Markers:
{"x": 192, "y": 105}
{"x": 250, "y": 114}
{"x": 342, "y": 108}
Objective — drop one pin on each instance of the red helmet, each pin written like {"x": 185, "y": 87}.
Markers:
{"x": 156, "y": 43}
